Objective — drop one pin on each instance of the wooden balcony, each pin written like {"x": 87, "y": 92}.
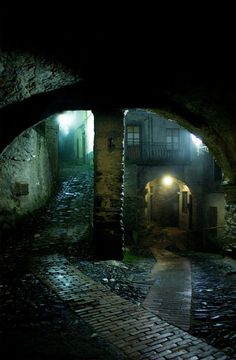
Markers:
{"x": 157, "y": 154}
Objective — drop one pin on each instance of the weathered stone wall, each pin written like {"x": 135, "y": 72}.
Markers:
{"x": 131, "y": 202}
{"x": 191, "y": 175}
{"x": 230, "y": 216}
{"x": 217, "y": 200}
{"x": 23, "y": 75}
{"x": 108, "y": 161}
{"x": 207, "y": 111}
{"x": 230, "y": 228}
{"x": 28, "y": 172}
{"x": 52, "y": 138}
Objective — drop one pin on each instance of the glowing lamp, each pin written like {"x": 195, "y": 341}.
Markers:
{"x": 167, "y": 180}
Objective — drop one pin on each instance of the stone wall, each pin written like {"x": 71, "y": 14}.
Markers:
{"x": 52, "y": 139}
{"x": 215, "y": 200}
{"x": 131, "y": 202}
{"x": 23, "y": 75}
{"x": 229, "y": 235}
{"x": 203, "y": 196}
{"x": 230, "y": 228}
{"x": 28, "y": 172}
{"x": 108, "y": 177}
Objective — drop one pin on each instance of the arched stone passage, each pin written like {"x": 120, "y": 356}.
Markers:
{"x": 168, "y": 203}
{"x": 217, "y": 135}
{"x": 24, "y": 75}
{"x": 108, "y": 150}
{"x": 198, "y": 108}
{"x": 28, "y": 172}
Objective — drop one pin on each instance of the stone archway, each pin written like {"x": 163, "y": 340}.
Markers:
{"x": 168, "y": 203}
{"x": 204, "y": 109}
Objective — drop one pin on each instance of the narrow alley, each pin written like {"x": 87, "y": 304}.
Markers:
{"x": 117, "y": 185}
{"x": 52, "y": 310}
{"x": 69, "y": 215}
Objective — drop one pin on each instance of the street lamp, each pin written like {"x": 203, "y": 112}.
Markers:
{"x": 167, "y": 180}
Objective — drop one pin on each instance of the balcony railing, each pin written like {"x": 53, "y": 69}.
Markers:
{"x": 158, "y": 153}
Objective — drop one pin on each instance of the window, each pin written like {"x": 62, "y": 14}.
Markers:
{"x": 184, "y": 201}
{"x": 133, "y": 135}
{"x": 172, "y": 138}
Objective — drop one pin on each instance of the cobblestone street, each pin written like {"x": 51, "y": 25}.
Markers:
{"x": 214, "y": 299}
{"x": 68, "y": 216}
{"x": 56, "y": 303}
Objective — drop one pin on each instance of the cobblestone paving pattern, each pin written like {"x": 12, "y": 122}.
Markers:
{"x": 171, "y": 302}
{"x": 35, "y": 324}
{"x": 139, "y": 333}
{"x": 59, "y": 226}
{"x": 214, "y": 300}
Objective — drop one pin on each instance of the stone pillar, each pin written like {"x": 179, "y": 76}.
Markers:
{"x": 230, "y": 214}
{"x": 52, "y": 137}
{"x": 108, "y": 182}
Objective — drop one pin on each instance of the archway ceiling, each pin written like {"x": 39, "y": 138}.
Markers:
{"x": 188, "y": 76}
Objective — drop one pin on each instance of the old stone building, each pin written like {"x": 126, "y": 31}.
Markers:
{"x": 174, "y": 71}
{"x": 29, "y": 172}
{"x": 55, "y": 72}
{"x": 76, "y": 136}
{"x": 171, "y": 179}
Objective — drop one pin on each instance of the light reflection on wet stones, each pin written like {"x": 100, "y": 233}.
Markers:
{"x": 213, "y": 303}
{"x": 214, "y": 300}
{"x": 130, "y": 281}
{"x": 58, "y": 227}
{"x": 214, "y": 289}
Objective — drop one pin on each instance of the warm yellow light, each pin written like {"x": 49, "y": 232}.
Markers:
{"x": 167, "y": 180}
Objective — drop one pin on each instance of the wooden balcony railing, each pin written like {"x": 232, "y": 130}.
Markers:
{"x": 146, "y": 152}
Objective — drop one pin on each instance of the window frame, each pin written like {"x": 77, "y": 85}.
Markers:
{"x": 172, "y": 144}
{"x": 132, "y": 141}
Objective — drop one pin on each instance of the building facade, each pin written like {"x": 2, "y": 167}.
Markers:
{"x": 76, "y": 137}
{"x": 171, "y": 180}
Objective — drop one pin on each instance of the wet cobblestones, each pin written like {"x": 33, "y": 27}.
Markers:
{"x": 69, "y": 215}
{"x": 62, "y": 226}
{"x": 131, "y": 280}
{"x": 213, "y": 285}
{"x": 35, "y": 325}
{"x": 34, "y": 322}
{"x": 139, "y": 333}
{"x": 214, "y": 300}
{"x": 59, "y": 228}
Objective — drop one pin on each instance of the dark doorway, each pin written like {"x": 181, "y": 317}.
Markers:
{"x": 165, "y": 208}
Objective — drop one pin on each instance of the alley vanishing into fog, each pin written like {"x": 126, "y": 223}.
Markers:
{"x": 58, "y": 302}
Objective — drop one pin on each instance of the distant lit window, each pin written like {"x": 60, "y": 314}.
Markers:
{"x": 172, "y": 138}
{"x": 184, "y": 201}
{"x": 133, "y": 135}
